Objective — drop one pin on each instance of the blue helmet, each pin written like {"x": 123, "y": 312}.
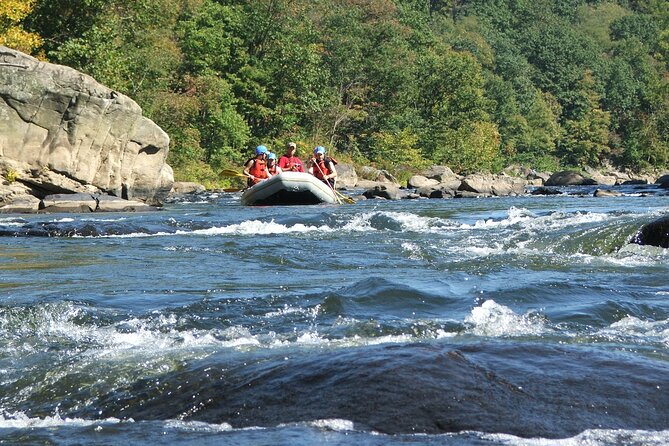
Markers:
{"x": 319, "y": 149}
{"x": 271, "y": 156}
{"x": 260, "y": 150}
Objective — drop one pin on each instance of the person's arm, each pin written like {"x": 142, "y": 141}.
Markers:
{"x": 283, "y": 162}
{"x": 333, "y": 171}
{"x": 247, "y": 167}
{"x": 299, "y": 165}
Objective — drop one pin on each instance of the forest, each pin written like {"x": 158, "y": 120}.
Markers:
{"x": 399, "y": 84}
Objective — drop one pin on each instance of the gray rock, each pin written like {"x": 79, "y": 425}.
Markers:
{"x": 442, "y": 190}
{"x": 186, "y": 188}
{"x": 541, "y": 176}
{"x": 606, "y": 193}
{"x": 491, "y": 185}
{"x": 440, "y": 173}
{"x": 436, "y": 192}
{"x": 68, "y": 203}
{"x": 57, "y": 118}
{"x": 387, "y": 191}
{"x": 22, "y": 205}
{"x": 420, "y": 181}
{"x": 84, "y": 202}
{"x": 373, "y": 174}
{"x": 108, "y": 203}
{"x": 368, "y": 184}
{"x": 468, "y": 194}
{"x": 569, "y": 178}
{"x": 346, "y": 176}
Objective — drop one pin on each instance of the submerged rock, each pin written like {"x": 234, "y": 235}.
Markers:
{"x": 655, "y": 233}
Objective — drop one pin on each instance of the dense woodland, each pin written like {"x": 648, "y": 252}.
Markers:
{"x": 474, "y": 84}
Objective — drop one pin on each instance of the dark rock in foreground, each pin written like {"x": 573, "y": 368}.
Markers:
{"x": 655, "y": 233}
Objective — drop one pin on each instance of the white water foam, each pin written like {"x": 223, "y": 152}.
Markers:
{"x": 20, "y": 420}
{"x": 335, "y": 424}
{"x": 407, "y": 221}
{"x": 593, "y": 437}
{"x": 493, "y": 319}
{"x": 641, "y": 331}
{"x": 528, "y": 220}
{"x": 197, "y": 426}
{"x": 12, "y": 221}
{"x": 249, "y": 227}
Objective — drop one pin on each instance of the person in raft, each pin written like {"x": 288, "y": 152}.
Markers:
{"x": 322, "y": 167}
{"x": 272, "y": 167}
{"x": 256, "y": 168}
{"x": 289, "y": 161}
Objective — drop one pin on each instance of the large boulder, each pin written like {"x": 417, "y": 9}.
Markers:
{"x": 420, "y": 181}
{"x": 442, "y": 174}
{"x": 569, "y": 178}
{"x": 58, "y": 120}
{"x": 497, "y": 185}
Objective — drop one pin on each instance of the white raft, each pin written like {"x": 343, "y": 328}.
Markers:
{"x": 289, "y": 188}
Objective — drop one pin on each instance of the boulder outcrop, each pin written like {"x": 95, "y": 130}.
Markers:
{"x": 569, "y": 178}
{"x": 655, "y": 233}
{"x": 63, "y": 132}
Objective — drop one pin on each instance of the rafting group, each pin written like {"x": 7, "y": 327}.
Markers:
{"x": 285, "y": 181}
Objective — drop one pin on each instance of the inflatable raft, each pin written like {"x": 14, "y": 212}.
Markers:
{"x": 289, "y": 188}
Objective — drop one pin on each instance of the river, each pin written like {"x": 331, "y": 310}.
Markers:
{"x": 494, "y": 321}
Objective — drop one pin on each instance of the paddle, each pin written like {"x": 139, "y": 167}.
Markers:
{"x": 346, "y": 199}
{"x": 338, "y": 196}
{"x": 232, "y": 173}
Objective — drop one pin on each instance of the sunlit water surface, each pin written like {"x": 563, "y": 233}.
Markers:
{"x": 513, "y": 321}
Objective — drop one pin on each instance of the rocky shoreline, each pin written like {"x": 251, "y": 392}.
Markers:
{"x": 61, "y": 132}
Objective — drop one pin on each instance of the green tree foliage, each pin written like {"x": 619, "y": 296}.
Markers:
{"x": 402, "y": 83}
{"x": 586, "y": 134}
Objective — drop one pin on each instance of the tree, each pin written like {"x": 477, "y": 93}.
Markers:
{"x": 12, "y": 33}
{"x": 586, "y": 135}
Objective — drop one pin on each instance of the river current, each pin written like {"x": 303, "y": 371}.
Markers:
{"x": 495, "y": 321}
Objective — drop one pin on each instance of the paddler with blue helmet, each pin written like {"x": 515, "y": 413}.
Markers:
{"x": 323, "y": 167}
{"x": 272, "y": 167}
{"x": 256, "y": 168}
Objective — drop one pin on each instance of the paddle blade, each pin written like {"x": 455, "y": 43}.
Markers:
{"x": 231, "y": 173}
{"x": 343, "y": 198}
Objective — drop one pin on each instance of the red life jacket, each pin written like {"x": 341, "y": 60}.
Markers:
{"x": 258, "y": 170}
{"x": 272, "y": 170}
{"x": 323, "y": 164}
